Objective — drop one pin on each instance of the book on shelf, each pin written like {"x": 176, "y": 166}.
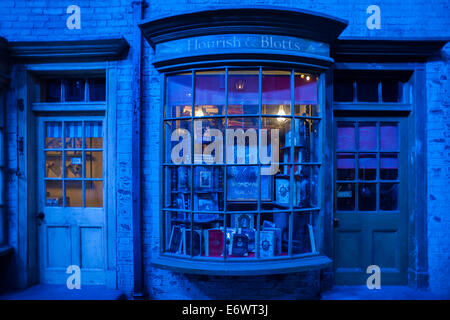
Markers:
{"x": 186, "y": 242}
{"x": 266, "y": 244}
{"x": 213, "y": 242}
{"x": 239, "y": 245}
{"x": 277, "y": 239}
{"x": 175, "y": 240}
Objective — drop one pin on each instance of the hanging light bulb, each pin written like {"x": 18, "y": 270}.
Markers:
{"x": 240, "y": 85}
{"x": 308, "y": 78}
{"x": 281, "y": 113}
{"x": 302, "y": 76}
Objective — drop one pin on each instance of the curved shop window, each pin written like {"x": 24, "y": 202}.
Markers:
{"x": 241, "y": 164}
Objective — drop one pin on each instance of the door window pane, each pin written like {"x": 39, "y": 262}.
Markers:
{"x": 53, "y": 193}
{"x": 367, "y": 166}
{"x": 53, "y": 164}
{"x": 94, "y": 164}
{"x": 389, "y": 136}
{"x": 94, "y": 193}
{"x": 53, "y": 135}
{"x": 73, "y": 131}
{"x": 367, "y": 136}
{"x": 345, "y": 166}
{"x": 388, "y": 166}
{"x": 345, "y": 195}
{"x": 74, "y": 193}
{"x": 345, "y": 136}
{"x": 367, "y": 196}
{"x": 93, "y": 134}
{"x": 388, "y": 196}
{"x": 74, "y": 164}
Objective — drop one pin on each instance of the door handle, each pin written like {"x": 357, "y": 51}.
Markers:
{"x": 335, "y": 222}
{"x": 40, "y": 216}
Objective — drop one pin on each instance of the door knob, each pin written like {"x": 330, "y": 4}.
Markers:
{"x": 335, "y": 222}
{"x": 40, "y": 216}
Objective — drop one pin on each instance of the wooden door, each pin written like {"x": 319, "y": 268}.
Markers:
{"x": 70, "y": 211}
{"x": 370, "y": 199}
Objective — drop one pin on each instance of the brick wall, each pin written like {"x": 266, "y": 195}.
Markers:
{"x": 438, "y": 142}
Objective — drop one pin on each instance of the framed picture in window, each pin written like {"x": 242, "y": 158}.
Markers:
{"x": 282, "y": 189}
{"x": 206, "y": 202}
{"x": 203, "y": 179}
{"x": 242, "y": 184}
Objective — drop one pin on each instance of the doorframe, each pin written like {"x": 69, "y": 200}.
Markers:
{"x": 27, "y": 258}
{"x": 416, "y": 118}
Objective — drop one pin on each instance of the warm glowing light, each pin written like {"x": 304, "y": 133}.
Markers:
{"x": 308, "y": 78}
{"x": 302, "y": 76}
{"x": 199, "y": 113}
{"x": 281, "y": 113}
{"x": 240, "y": 85}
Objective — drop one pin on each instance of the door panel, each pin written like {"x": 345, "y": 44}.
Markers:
{"x": 70, "y": 178}
{"x": 370, "y": 199}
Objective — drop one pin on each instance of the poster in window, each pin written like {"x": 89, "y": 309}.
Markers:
{"x": 242, "y": 184}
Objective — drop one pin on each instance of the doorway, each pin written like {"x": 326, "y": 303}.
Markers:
{"x": 71, "y": 215}
{"x": 370, "y": 199}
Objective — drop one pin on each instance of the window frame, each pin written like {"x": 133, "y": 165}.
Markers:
{"x": 289, "y": 263}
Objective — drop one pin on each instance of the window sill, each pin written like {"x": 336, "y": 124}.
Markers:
{"x": 242, "y": 268}
{"x": 5, "y": 250}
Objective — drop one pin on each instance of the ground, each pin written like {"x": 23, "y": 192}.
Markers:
{"x": 60, "y": 292}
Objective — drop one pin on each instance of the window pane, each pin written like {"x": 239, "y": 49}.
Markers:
{"x": 345, "y": 196}
{"x": 274, "y": 235}
{"x": 388, "y": 196}
{"x": 73, "y": 131}
{"x": 94, "y": 193}
{"x": 345, "y": 136}
{"x": 97, "y": 89}
{"x": 53, "y": 135}
{"x": 241, "y": 235}
{"x": 208, "y": 141}
{"x": 343, "y": 90}
{"x": 179, "y": 95}
{"x": 306, "y": 194}
{"x": 51, "y": 90}
{"x": 93, "y": 134}
{"x": 53, "y": 164}
{"x": 178, "y": 187}
{"x": 367, "y": 136}
{"x": 243, "y": 91}
{"x": 94, "y": 164}
{"x": 307, "y": 110}
{"x": 74, "y": 164}
{"x": 175, "y": 225}
{"x": 208, "y": 187}
{"x": 345, "y": 166}
{"x": 74, "y": 90}
{"x": 390, "y": 90}
{"x": 242, "y": 185}
{"x": 53, "y": 193}
{"x": 177, "y": 135}
{"x": 389, "y": 136}
{"x": 209, "y": 93}
{"x": 276, "y": 92}
{"x": 274, "y": 133}
{"x": 367, "y": 90}
{"x": 74, "y": 194}
{"x": 303, "y": 236}
{"x": 308, "y": 146}
{"x": 389, "y": 166}
{"x": 367, "y": 198}
{"x": 242, "y": 140}
{"x": 305, "y": 88}
{"x": 367, "y": 166}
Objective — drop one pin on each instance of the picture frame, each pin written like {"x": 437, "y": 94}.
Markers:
{"x": 244, "y": 221}
{"x": 242, "y": 184}
{"x": 206, "y": 202}
{"x": 282, "y": 190}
